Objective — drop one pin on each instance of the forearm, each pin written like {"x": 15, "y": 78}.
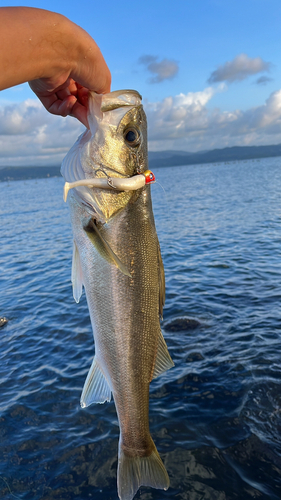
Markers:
{"x": 38, "y": 44}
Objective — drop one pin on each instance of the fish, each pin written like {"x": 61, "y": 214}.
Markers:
{"x": 117, "y": 259}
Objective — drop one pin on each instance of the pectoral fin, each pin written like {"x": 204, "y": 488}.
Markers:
{"x": 163, "y": 359}
{"x": 76, "y": 274}
{"x": 104, "y": 248}
{"x": 96, "y": 388}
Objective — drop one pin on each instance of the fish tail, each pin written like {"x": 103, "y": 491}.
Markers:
{"x": 136, "y": 471}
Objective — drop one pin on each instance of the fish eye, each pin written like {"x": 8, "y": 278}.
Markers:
{"x": 132, "y": 136}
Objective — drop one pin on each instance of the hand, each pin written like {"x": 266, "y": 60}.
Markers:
{"x": 59, "y": 59}
{"x": 71, "y": 98}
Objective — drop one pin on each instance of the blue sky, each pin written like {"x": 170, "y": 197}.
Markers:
{"x": 209, "y": 73}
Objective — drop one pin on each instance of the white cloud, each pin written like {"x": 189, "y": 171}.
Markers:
{"x": 185, "y": 122}
{"x": 163, "y": 70}
{"x": 239, "y": 68}
{"x": 29, "y": 135}
{"x": 179, "y": 116}
{"x": 20, "y": 118}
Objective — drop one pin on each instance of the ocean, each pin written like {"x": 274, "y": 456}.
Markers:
{"x": 216, "y": 416}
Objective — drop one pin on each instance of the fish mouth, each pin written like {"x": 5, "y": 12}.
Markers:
{"x": 112, "y": 100}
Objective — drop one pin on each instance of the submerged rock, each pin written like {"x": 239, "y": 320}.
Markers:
{"x": 179, "y": 324}
{"x": 3, "y": 321}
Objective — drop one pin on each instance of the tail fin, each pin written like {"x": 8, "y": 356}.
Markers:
{"x": 134, "y": 472}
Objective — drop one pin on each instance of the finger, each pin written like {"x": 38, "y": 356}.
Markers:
{"x": 83, "y": 95}
{"x": 80, "y": 112}
{"x": 64, "y": 93}
{"x": 60, "y": 107}
{"x": 73, "y": 86}
{"x": 70, "y": 106}
{"x": 49, "y": 101}
{"x": 77, "y": 107}
{"x": 74, "y": 89}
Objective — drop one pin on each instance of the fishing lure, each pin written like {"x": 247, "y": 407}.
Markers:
{"x": 128, "y": 184}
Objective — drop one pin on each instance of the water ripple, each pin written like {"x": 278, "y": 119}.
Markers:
{"x": 215, "y": 417}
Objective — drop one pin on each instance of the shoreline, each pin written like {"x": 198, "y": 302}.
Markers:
{"x": 159, "y": 159}
{"x": 25, "y": 173}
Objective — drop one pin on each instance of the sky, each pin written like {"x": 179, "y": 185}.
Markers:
{"x": 209, "y": 73}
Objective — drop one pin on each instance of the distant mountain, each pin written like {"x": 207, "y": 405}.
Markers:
{"x": 23, "y": 173}
{"x": 176, "y": 158}
{"x": 167, "y": 154}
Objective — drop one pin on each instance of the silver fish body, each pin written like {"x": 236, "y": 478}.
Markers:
{"x": 118, "y": 260}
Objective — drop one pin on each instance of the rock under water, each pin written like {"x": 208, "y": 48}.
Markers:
{"x": 179, "y": 324}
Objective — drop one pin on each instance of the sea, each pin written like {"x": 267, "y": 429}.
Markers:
{"x": 216, "y": 416}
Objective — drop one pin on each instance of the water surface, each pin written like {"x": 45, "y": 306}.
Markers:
{"x": 215, "y": 417}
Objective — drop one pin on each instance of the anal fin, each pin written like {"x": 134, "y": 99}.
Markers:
{"x": 96, "y": 388}
{"x": 163, "y": 359}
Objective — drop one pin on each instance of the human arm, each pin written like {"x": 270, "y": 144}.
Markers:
{"x": 58, "y": 59}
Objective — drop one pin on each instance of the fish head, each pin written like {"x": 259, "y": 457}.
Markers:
{"x": 119, "y": 132}
{"x": 115, "y": 146}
